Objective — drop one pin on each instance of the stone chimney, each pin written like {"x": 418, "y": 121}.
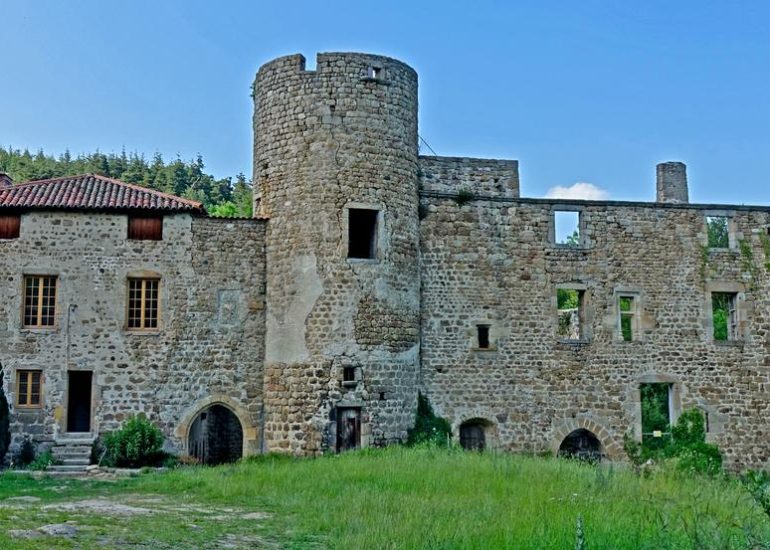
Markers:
{"x": 672, "y": 183}
{"x": 5, "y": 180}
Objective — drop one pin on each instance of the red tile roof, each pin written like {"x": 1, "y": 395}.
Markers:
{"x": 92, "y": 192}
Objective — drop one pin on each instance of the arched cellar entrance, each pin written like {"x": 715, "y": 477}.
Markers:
{"x": 473, "y": 434}
{"x": 581, "y": 444}
{"x": 216, "y": 436}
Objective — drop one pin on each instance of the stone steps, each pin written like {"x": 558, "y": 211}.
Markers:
{"x": 73, "y": 452}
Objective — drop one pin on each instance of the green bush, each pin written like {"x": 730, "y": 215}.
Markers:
{"x": 42, "y": 461}
{"x": 5, "y": 432}
{"x": 428, "y": 428}
{"x": 136, "y": 444}
{"x": 26, "y": 454}
{"x": 758, "y": 485}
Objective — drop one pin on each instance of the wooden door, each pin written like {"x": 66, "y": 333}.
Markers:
{"x": 348, "y": 429}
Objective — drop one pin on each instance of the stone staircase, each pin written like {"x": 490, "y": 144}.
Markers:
{"x": 73, "y": 451}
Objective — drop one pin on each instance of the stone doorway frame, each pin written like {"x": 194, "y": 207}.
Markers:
{"x": 250, "y": 443}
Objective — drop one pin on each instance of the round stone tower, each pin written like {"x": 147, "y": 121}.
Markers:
{"x": 335, "y": 172}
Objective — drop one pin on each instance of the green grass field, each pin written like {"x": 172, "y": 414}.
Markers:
{"x": 392, "y": 498}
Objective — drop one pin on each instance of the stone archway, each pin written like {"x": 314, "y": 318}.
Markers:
{"x": 581, "y": 444}
{"x": 249, "y": 439}
{"x": 215, "y": 436}
{"x": 610, "y": 447}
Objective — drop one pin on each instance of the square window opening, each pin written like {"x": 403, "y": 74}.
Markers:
{"x": 10, "y": 227}
{"x": 375, "y": 72}
{"x": 145, "y": 228}
{"x": 628, "y": 318}
{"x": 724, "y": 316}
{"x": 566, "y": 227}
{"x": 482, "y": 337}
{"x": 718, "y": 229}
{"x": 657, "y": 413}
{"x": 28, "y": 388}
{"x": 570, "y": 313}
{"x": 362, "y": 233}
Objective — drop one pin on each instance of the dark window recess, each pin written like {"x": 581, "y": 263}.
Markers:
{"x": 483, "y": 336}
{"x": 362, "y": 233}
{"x": 142, "y": 228}
{"x": 9, "y": 227}
{"x": 349, "y": 374}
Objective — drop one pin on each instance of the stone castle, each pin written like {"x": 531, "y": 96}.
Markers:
{"x": 371, "y": 274}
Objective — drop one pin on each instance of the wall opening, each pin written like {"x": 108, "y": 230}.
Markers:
{"x": 628, "y": 318}
{"x": 581, "y": 444}
{"x": 10, "y": 227}
{"x": 657, "y": 414}
{"x": 718, "y": 230}
{"x": 216, "y": 436}
{"x": 569, "y": 303}
{"x": 362, "y": 233}
{"x": 724, "y": 315}
{"x": 482, "y": 337}
{"x": 145, "y": 228}
{"x": 566, "y": 228}
{"x": 473, "y": 435}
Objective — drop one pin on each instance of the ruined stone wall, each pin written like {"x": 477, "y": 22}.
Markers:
{"x": 210, "y": 345}
{"x": 491, "y": 177}
{"x": 492, "y": 262}
{"x": 343, "y": 136}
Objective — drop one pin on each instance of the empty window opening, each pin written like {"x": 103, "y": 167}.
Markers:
{"x": 362, "y": 233}
{"x": 628, "y": 318}
{"x": 656, "y": 414}
{"x": 473, "y": 436}
{"x": 724, "y": 315}
{"x": 382, "y": 396}
{"x": 349, "y": 375}
{"x": 348, "y": 429}
{"x": 706, "y": 423}
{"x": 566, "y": 227}
{"x": 375, "y": 72}
{"x": 581, "y": 444}
{"x": 145, "y": 228}
{"x": 718, "y": 229}
{"x": 482, "y": 336}
{"x": 28, "y": 388}
{"x": 10, "y": 227}
{"x": 39, "y": 301}
{"x": 570, "y": 315}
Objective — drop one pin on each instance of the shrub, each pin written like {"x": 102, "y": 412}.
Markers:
{"x": 758, "y": 485}
{"x": 464, "y": 195}
{"x": 5, "y": 432}
{"x": 700, "y": 458}
{"x": 428, "y": 428}
{"x": 136, "y": 444}
{"x": 42, "y": 461}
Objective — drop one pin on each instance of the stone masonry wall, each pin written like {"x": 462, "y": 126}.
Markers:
{"x": 481, "y": 176}
{"x": 340, "y": 137}
{"x": 492, "y": 262}
{"x": 210, "y": 345}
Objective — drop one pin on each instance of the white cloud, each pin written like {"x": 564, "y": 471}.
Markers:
{"x": 581, "y": 191}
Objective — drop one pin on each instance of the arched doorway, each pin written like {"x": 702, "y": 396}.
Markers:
{"x": 581, "y": 444}
{"x": 216, "y": 436}
{"x": 473, "y": 435}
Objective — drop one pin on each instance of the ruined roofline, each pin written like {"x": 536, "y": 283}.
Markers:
{"x": 616, "y": 203}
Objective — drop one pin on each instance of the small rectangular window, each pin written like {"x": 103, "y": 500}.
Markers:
{"x": 349, "y": 374}
{"x": 628, "y": 318}
{"x": 143, "y": 301}
{"x": 570, "y": 306}
{"x": 362, "y": 233}
{"x": 656, "y": 414}
{"x": 724, "y": 315}
{"x": 375, "y": 72}
{"x": 566, "y": 228}
{"x": 718, "y": 228}
{"x": 10, "y": 227}
{"x": 39, "y": 301}
{"x": 145, "y": 228}
{"x": 482, "y": 334}
{"x": 28, "y": 388}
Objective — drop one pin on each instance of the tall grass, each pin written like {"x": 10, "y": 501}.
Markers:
{"x": 439, "y": 498}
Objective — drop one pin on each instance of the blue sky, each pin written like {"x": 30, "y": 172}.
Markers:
{"x": 580, "y": 92}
